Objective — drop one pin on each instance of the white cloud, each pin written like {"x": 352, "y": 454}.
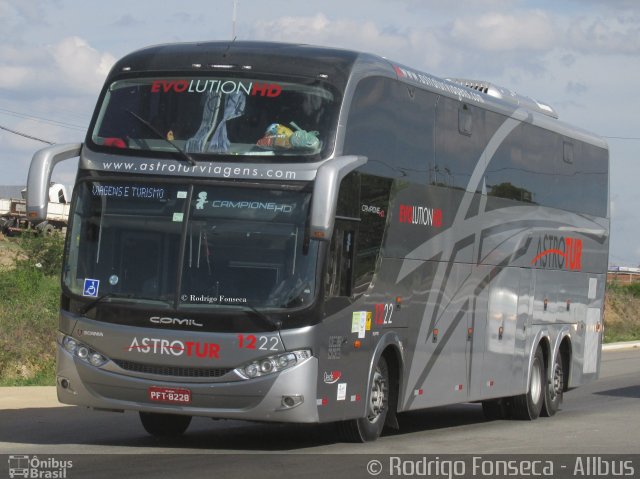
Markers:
{"x": 28, "y": 10}
{"x": 576, "y": 88}
{"x": 605, "y": 35}
{"x": 71, "y": 61}
{"x": 526, "y": 30}
{"x": 320, "y": 30}
{"x": 83, "y": 67}
{"x": 128, "y": 21}
{"x": 13, "y": 76}
{"x": 458, "y": 47}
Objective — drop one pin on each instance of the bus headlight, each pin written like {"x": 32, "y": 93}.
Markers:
{"x": 272, "y": 364}
{"x": 97, "y": 359}
{"x": 70, "y": 344}
{"x": 82, "y": 351}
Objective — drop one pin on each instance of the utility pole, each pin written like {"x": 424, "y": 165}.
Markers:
{"x": 233, "y": 28}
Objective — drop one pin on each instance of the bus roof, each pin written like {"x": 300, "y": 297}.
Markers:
{"x": 264, "y": 57}
{"x": 333, "y": 64}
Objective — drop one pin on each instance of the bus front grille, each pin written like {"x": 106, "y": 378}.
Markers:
{"x": 176, "y": 371}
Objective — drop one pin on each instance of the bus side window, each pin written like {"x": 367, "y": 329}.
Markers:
{"x": 339, "y": 277}
{"x": 361, "y": 216}
{"x": 374, "y": 210}
{"x": 340, "y": 260}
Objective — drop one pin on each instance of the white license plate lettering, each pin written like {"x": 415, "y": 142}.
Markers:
{"x": 169, "y": 395}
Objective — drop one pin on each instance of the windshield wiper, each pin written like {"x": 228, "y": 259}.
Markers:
{"x": 95, "y": 302}
{"x": 275, "y": 324}
{"x": 183, "y": 154}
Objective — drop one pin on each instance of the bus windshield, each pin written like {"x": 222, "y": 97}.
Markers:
{"x": 194, "y": 246}
{"x": 216, "y": 115}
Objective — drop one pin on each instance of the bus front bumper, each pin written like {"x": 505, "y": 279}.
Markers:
{"x": 287, "y": 396}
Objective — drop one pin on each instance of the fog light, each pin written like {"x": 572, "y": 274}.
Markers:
{"x": 289, "y": 402}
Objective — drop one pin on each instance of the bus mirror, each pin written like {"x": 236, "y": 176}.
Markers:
{"x": 325, "y": 193}
{"x": 39, "y": 177}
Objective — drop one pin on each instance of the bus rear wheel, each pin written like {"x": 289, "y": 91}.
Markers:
{"x": 370, "y": 427}
{"x": 494, "y": 409}
{"x": 529, "y": 405}
{"x": 164, "y": 425}
{"x": 553, "y": 394}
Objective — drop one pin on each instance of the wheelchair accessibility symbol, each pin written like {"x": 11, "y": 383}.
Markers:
{"x": 91, "y": 287}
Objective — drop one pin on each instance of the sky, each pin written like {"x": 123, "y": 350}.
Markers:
{"x": 580, "y": 56}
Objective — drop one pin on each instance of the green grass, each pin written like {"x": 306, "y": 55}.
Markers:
{"x": 622, "y": 313}
{"x": 29, "y": 303}
{"x": 630, "y": 290}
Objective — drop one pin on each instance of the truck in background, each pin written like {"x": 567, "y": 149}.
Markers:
{"x": 13, "y": 213}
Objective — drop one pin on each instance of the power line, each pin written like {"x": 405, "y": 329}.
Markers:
{"x": 622, "y": 137}
{"x": 25, "y": 135}
{"x": 43, "y": 120}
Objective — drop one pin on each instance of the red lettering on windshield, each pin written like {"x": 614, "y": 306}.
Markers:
{"x": 166, "y": 86}
{"x": 270, "y": 90}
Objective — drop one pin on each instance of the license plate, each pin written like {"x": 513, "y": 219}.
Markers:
{"x": 169, "y": 395}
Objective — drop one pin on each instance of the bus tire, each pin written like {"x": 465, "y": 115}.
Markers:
{"x": 494, "y": 409}
{"x": 370, "y": 427}
{"x": 164, "y": 425}
{"x": 529, "y": 405}
{"x": 554, "y": 390}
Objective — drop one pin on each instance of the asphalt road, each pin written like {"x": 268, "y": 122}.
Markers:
{"x": 600, "y": 418}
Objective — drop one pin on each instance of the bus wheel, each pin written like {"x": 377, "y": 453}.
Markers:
{"x": 553, "y": 394}
{"x": 164, "y": 424}
{"x": 529, "y": 405}
{"x": 370, "y": 427}
{"x": 495, "y": 409}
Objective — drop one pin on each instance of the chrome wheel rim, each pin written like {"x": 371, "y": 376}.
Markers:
{"x": 558, "y": 381}
{"x": 378, "y": 399}
{"x": 536, "y": 383}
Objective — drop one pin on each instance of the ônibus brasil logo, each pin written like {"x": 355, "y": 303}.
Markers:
{"x": 559, "y": 252}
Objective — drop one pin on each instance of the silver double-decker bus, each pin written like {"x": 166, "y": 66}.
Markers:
{"x": 300, "y": 234}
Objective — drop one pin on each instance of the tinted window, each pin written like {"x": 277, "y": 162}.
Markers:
{"x": 460, "y": 140}
{"x": 534, "y": 165}
{"x": 242, "y": 246}
{"x": 584, "y": 183}
{"x": 217, "y": 116}
{"x": 392, "y": 125}
{"x": 523, "y": 167}
{"x": 374, "y": 210}
{"x": 363, "y": 202}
